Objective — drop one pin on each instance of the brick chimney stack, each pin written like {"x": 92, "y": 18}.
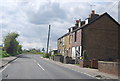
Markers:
{"x": 92, "y": 16}
{"x": 77, "y": 23}
{"x": 93, "y": 12}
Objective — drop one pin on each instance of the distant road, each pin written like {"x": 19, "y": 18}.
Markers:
{"x": 34, "y": 67}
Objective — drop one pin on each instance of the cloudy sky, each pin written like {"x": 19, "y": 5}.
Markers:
{"x": 30, "y": 18}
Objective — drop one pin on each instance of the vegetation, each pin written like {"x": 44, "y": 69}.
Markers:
{"x": 77, "y": 64}
{"x": 85, "y": 55}
{"x": 4, "y": 54}
{"x": 44, "y": 55}
{"x": 11, "y": 45}
{"x": 32, "y": 51}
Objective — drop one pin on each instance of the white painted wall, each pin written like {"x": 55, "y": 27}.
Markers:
{"x": 74, "y": 49}
{"x": 73, "y": 52}
{"x": 80, "y": 50}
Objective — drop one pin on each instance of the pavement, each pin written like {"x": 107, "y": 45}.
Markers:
{"x": 34, "y": 67}
{"x": 7, "y": 60}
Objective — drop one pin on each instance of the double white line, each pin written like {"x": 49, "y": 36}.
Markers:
{"x": 39, "y": 65}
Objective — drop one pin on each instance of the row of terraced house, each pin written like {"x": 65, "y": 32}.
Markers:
{"x": 95, "y": 38}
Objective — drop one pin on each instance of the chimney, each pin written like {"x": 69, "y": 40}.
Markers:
{"x": 78, "y": 23}
{"x": 93, "y": 12}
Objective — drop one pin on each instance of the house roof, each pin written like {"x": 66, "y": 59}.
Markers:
{"x": 92, "y": 21}
{"x": 64, "y": 35}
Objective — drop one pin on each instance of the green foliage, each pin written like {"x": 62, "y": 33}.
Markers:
{"x": 38, "y": 53}
{"x": 11, "y": 45}
{"x": 85, "y": 55}
{"x": 77, "y": 64}
{"x": 45, "y": 55}
{"x": 4, "y": 54}
{"x": 0, "y": 53}
{"x": 19, "y": 49}
{"x": 32, "y": 51}
{"x": 52, "y": 55}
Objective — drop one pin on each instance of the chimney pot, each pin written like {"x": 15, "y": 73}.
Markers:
{"x": 93, "y": 12}
{"x": 77, "y": 21}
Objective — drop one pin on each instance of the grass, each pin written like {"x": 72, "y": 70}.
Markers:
{"x": 3, "y": 54}
{"x": 77, "y": 64}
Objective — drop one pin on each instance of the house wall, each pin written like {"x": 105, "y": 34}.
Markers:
{"x": 65, "y": 47}
{"x": 100, "y": 39}
{"x": 76, "y": 45}
{"x": 60, "y": 46}
{"x": 73, "y": 52}
{"x": 70, "y": 45}
{"x": 78, "y": 40}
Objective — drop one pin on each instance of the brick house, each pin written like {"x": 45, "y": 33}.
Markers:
{"x": 76, "y": 42}
{"x": 63, "y": 45}
{"x": 99, "y": 37}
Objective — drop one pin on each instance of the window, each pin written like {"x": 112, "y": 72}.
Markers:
{"x": 75, "y": 37}
{"x": 69, "y": 39}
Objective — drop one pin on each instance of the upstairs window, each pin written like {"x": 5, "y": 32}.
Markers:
{"x": 75, "y": 37}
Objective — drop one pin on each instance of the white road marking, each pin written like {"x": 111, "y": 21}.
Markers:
{"x": 40, "y": 66}
{"x": 80, "y": 72}
{"x": 4, "y": 68}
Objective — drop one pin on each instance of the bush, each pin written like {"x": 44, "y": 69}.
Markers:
{"x": 52, "y": 55}
{"x": 4, "y": 54}
{"x": 45, "y": 55}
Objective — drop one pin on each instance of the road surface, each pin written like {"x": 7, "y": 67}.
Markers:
{"x": 33, "y": 67}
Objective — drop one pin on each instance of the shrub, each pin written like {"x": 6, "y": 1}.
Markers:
{"x": 4, "y": 54}
{"x": 85, "y": 55}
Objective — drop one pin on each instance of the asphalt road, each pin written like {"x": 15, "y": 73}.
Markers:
{"x": 33, "y": 67}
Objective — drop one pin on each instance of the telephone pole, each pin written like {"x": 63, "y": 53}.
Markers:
{"x": 48, "y": 41}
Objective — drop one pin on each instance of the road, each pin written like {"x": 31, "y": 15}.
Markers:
{"x": 33, "y": 67}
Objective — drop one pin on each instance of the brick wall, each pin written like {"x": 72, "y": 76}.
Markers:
{"x": 100, "y": 39}
{"x": 58, "y": 58}
{"x": 78, "y": 38}
{"x": 109, "y": 67}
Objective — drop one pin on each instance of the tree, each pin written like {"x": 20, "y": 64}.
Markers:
{"x": 20, "y": 49}
{"x": 11, "y": 45}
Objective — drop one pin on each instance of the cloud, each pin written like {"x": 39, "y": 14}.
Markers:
{"x": 47, "y": 13}
{"x": 30, "y": 18}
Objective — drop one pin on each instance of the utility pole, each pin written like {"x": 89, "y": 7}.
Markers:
{"x": 48, "y": 40}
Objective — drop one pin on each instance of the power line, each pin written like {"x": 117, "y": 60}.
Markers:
{"x": 113, "y": 5}
{"x": 106, "y": 9}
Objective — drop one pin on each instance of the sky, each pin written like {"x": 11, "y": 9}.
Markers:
{"x": 30, "y": 18}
